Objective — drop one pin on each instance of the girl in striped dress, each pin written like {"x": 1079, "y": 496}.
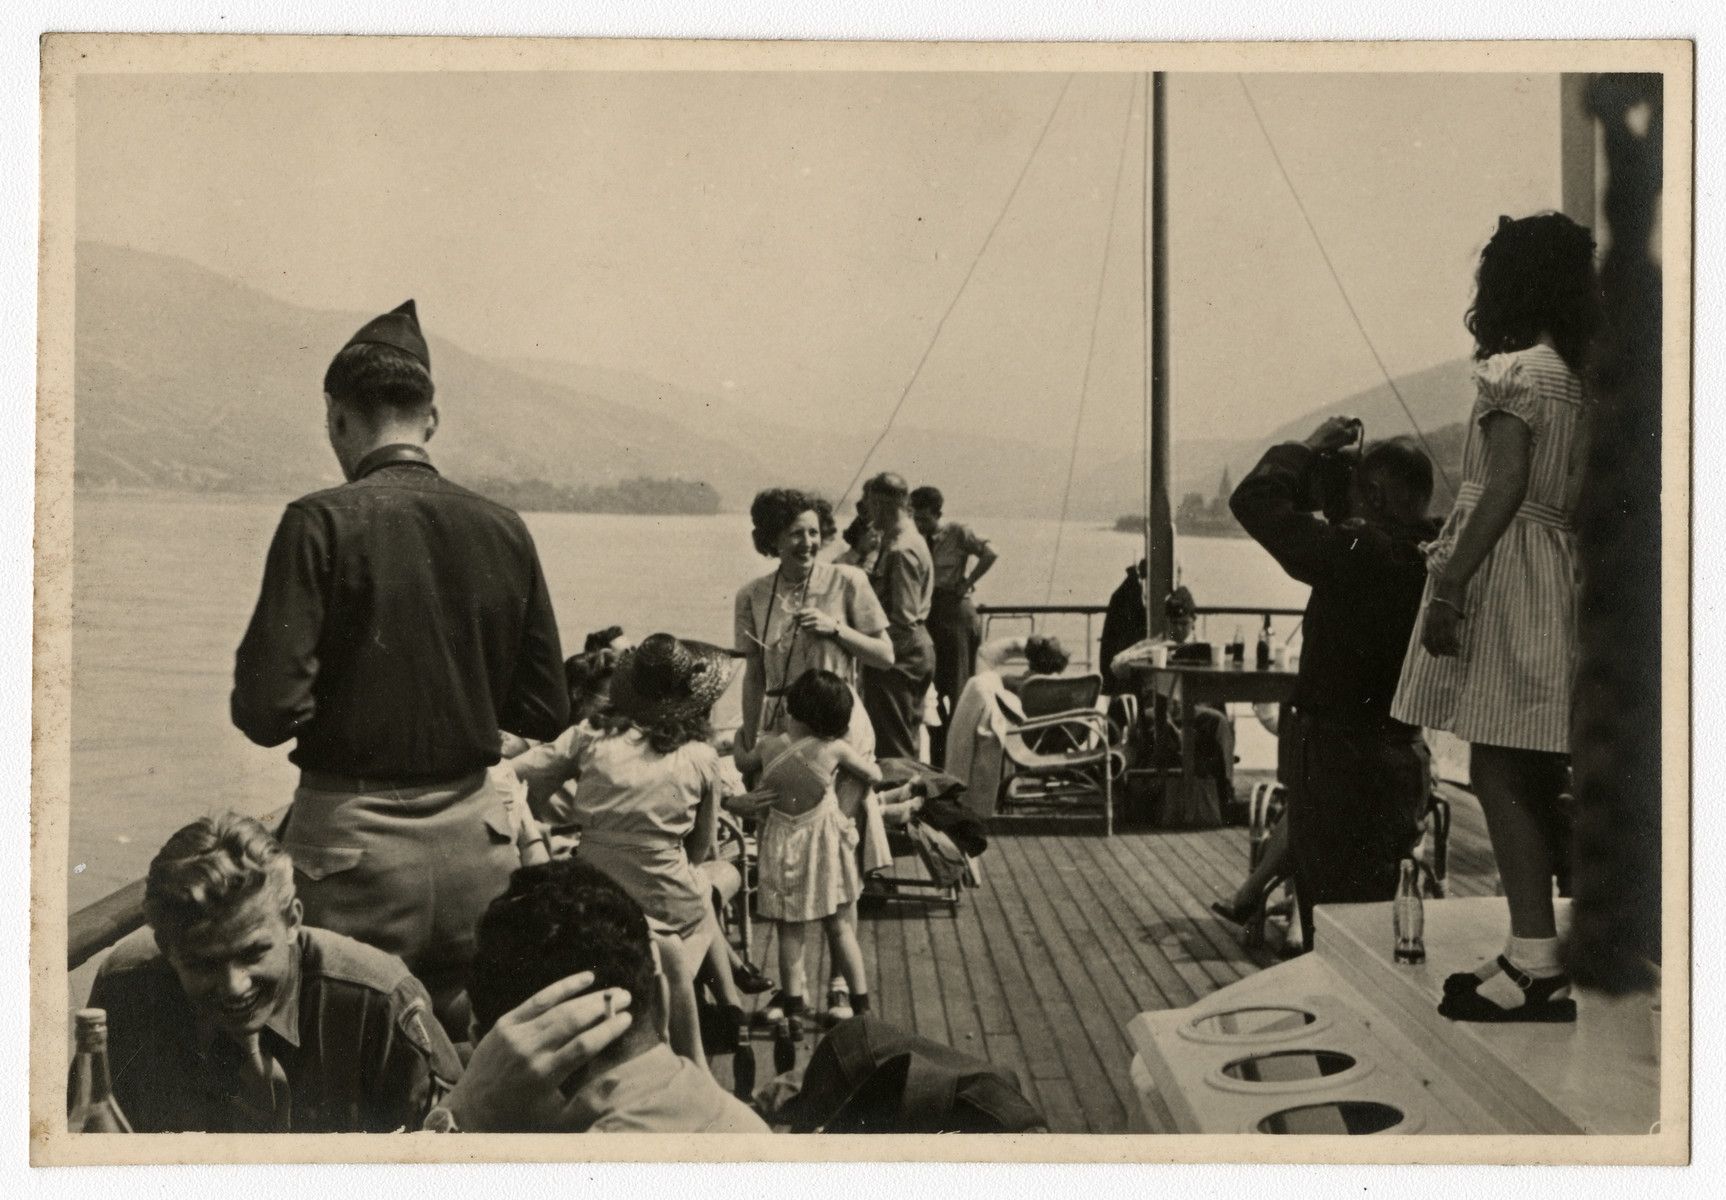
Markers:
{"x": 1494, "y": 655}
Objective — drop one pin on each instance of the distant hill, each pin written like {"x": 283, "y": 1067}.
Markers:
{"x": 186, "y": 379}
{"x": 1438, "y": 396}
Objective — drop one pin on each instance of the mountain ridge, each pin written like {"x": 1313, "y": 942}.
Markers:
{"x": 189, "y": 380}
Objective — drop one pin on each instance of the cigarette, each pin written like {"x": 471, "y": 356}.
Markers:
{"x": 610, "y": 1005}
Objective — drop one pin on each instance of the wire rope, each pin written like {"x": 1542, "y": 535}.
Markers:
{"x": 1091, "y": 350}
{"x": 963, "y": 284}
{"x": 1337, "y": 279}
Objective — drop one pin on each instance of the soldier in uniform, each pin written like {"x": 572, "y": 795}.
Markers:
{"x": 403, "y": 625}
{"x": 230, "y": 1015}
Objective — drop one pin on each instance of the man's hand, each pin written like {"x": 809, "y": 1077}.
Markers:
{"x": 1333, "y": 434}
{"x": 513, "y": 1082}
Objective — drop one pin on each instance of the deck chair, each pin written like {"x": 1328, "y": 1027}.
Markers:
{"x": 1059, "y": 748}
{"x": 738, "y": 848}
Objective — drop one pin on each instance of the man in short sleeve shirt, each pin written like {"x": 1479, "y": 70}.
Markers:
{"x": 953, "y": 624}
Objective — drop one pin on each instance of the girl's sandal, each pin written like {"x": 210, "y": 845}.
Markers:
{"x": 1463, "y": 1001}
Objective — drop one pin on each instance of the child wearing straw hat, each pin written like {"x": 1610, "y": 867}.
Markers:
{"x": 647, "y": 797}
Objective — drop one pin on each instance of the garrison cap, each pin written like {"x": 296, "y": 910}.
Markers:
{"x": 400, "y": 327}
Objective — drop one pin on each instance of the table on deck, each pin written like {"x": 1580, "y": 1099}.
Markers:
{"x": 1213, "y": 685}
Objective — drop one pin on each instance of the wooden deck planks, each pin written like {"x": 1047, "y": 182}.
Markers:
{"x": 1122, "y": 987}
{"x": 1093, "y": 877}
{"x": 1188, "y": 926}
{"x": 1071, "y": 935}
{"x": 928, "y": 1013}
{"x": 1057, "y": 976}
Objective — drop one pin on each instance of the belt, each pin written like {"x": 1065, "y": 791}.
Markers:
{"x": 1549, "y": 515}
{"x": 330, "y": 781}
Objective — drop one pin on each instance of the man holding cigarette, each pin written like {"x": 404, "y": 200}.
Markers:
{"x": 560, "y": 928}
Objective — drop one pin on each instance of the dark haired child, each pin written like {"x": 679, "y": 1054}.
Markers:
{"x": 646, "y": 795}
{"x": 808, "y": 847}
{"x": 1495, "y": 653}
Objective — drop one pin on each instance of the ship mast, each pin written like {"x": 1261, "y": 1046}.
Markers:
{"x": 1159, "y": 526}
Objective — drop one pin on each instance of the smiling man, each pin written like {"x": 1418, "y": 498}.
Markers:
{"x": 230, "y": 1015}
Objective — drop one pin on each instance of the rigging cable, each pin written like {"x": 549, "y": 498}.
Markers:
{"x": 1096, "y": 320}
{"x": 939, "y": 325}
{"x": 1343, "y": 291}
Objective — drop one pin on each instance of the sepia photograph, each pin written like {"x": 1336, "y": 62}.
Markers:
{"x": 1123, "y": 603}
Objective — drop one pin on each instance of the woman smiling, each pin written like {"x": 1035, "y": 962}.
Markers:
{"x": 803, "y": 614}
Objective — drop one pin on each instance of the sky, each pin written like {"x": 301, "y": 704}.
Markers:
{"x": 790, "y": 242}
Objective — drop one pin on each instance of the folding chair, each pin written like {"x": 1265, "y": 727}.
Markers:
{"x": 738, "y": 848}
{"x": 1265, "y": 808}
{"x": 1060, "y": 750}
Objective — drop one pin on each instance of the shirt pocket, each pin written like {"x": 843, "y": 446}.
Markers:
{"x": 318, "y": 863}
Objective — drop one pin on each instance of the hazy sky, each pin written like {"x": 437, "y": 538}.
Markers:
{"x": 790, "y": 240}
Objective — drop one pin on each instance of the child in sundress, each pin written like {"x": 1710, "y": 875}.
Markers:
{"x": 647, "y": 788}
{"x": 808, "y": 848}
{"x": 1493, "y": 657}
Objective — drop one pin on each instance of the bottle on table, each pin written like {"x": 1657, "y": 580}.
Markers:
{"x": 1238, "y": 648}
{"x": 1264, "y": 658}
{"x": 1408, "y": 916}
{"x": 91, "y": 1107}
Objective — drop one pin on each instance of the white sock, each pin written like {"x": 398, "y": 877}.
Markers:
{"x": 1536, "y": 957}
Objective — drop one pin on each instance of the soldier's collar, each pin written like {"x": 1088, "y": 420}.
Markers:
{"x": 387, "y": 456}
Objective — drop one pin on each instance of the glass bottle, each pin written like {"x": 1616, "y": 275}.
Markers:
{"x": 1264, "y": 658}
{"x": 92, "y": 1107}
{"x": 1409, "y": 916}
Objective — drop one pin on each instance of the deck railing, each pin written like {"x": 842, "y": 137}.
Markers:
{"x": 95, "y": 927}
{"x": 990, "y": 613}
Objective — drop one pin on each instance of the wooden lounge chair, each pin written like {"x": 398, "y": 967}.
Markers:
{"x": 1059, "y": 748}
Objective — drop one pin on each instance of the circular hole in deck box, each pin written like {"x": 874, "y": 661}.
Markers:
{"x": 1289, "y": 1066}
{"x": 1253, "y": 1022}
{"x": 1333, "y": 1116}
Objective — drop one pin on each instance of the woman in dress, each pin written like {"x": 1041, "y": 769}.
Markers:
{"x": 1494, "y": 655}
{"x": 803, "y": 615}
{"x": 904, "y": 581}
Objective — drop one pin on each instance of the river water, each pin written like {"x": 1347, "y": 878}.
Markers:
{"x": 165, "y": 584}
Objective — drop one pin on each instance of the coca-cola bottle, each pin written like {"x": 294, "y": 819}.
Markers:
{"x": 92, "y": 1107}
{"x": 1264, "y": 652}
{"x": 1409, "y": 916}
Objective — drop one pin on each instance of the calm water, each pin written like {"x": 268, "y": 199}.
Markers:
{"x": 164, "y": 587}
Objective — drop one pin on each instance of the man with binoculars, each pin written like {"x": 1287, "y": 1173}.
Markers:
{"x": 1357, "y": 780}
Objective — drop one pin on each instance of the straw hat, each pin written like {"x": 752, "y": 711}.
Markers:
{"x": 666, "y": 677}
